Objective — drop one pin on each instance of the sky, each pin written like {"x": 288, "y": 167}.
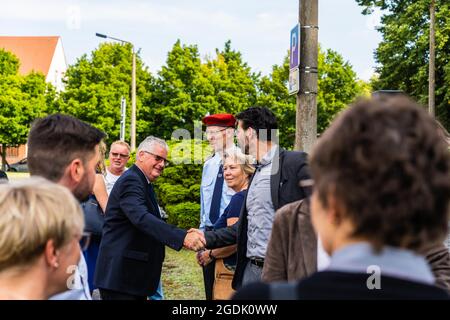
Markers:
{"x": 259, "y": 29}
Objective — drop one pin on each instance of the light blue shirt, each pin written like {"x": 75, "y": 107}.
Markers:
{"x": 391, "y": 261}
{"x": 209, "y": 176}
{"x": 260, "y": 210}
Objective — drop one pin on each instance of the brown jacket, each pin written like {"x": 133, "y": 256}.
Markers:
{"x": 438, "y": 258}
{"x": 292, "y": 249}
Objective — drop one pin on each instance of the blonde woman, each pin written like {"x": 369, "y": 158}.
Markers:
{"x": 94, "y": 210}
{"x": 41, "y": 225}
{"x": 99, "y": 190}
{"x": 237, "y": 170}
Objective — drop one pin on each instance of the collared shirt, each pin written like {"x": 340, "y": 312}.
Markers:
{"x": 323, "y": 259}
{"x": 260, "y": 207}
{"x": 148, "y": 181}
{"x": 391, "y": 261}
{"x": 447, "y": 241}
{"x": 209, "y": 176}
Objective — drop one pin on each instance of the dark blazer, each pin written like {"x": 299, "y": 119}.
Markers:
{"x": 134, "y": 238}
{"x": 287, "y": 172}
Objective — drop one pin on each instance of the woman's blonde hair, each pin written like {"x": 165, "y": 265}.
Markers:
{"x": 101, "y": 168}
{"x": 32, "y": 212}
{"x": 245, "y": 161}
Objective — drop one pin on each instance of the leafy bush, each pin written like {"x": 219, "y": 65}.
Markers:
{"x": 184, "y": 215}
{"x": 178, "y": 188}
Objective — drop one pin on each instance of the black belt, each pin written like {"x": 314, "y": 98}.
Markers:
{"x": 257, "y": 262}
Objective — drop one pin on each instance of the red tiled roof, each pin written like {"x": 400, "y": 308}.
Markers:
{"x": 34, "y": 53}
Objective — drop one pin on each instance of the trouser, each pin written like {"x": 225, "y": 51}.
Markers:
{"x": 114, "y": 295}
{"x": 208, "y": 276}
{"x": 159, "y": 294}
{"x": 208, "y": 279}
{"x": 252, "y": 273}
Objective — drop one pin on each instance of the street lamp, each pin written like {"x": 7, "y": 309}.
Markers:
{"x": 133, "y": 90}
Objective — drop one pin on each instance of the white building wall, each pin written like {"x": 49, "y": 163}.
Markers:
{"x": 58, "y": 67}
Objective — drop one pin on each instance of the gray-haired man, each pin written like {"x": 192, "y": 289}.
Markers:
{"x": 134, "y": 235}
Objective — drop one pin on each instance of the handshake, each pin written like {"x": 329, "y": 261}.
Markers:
{"x": 194, "y": 240}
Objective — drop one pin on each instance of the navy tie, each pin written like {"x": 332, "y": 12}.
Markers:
{"x": 217, "y": 197}
{"x": 153, "y": 198}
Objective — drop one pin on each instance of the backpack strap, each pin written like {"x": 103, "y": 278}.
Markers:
{"x": 283, "y": 291}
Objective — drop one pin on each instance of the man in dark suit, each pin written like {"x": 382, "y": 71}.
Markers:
{"x": 277, "y": 181}
{"x": 134, "y": 235}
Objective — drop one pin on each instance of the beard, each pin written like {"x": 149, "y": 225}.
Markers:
{"x": 244, "y": 146}
{"x": 84, "y": 189}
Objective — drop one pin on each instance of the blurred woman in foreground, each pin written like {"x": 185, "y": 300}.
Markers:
{"x": 41, "y": 225}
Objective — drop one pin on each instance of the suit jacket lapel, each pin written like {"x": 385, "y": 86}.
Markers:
{"x": 153, "y": 202}
{"x": 153, "y": 199}
{"x": 275, "y": 177}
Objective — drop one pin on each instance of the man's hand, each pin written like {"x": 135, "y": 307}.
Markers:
{"x": 204, "y": 258}
{"x": 194, "y": 240}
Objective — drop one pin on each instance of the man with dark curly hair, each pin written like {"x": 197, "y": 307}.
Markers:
{"x": 381, "y": 197}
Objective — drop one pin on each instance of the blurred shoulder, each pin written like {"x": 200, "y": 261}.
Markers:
{"x": 253, "y": 291}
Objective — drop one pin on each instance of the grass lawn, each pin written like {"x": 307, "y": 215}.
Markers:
{"x": 182, "y": 276}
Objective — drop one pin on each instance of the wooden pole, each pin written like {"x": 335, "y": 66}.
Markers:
{"x": 306, "y": 115}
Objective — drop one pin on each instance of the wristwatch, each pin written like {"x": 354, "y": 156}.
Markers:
{"x": 211, "y": 256}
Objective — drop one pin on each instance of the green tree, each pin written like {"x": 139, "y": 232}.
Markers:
{"x": 273, "y": 93}
{"x": 95, "y": 85}
{"x": 181, "y": 93}
{"x": 187, "y": 89}
{"x": 403, "y": 54}
{"x": 233, "y": 81}
{"x": 22, "y": 99}
{"x": 337, "y": 87}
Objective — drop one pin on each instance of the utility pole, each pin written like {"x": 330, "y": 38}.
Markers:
{"x": 123, "y": 113}
{"x": 133, "y": 89}
{"x": 133, "y": 104}
{"x": 306, "y": 115}
{"x": 431, "y": 70}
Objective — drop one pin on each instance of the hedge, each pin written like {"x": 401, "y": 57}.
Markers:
{"x": 178, "y": 188}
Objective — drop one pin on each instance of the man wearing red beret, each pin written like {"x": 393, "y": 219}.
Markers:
{"x": 214, "y": 193}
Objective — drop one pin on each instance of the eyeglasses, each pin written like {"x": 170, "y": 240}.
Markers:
{"x": 85, "y": 240}
{"x": 159, "y": 158}
{"x": 121, "y": 155}
{"x": 213, "y": 133}
{"x": 306, "y": 183}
